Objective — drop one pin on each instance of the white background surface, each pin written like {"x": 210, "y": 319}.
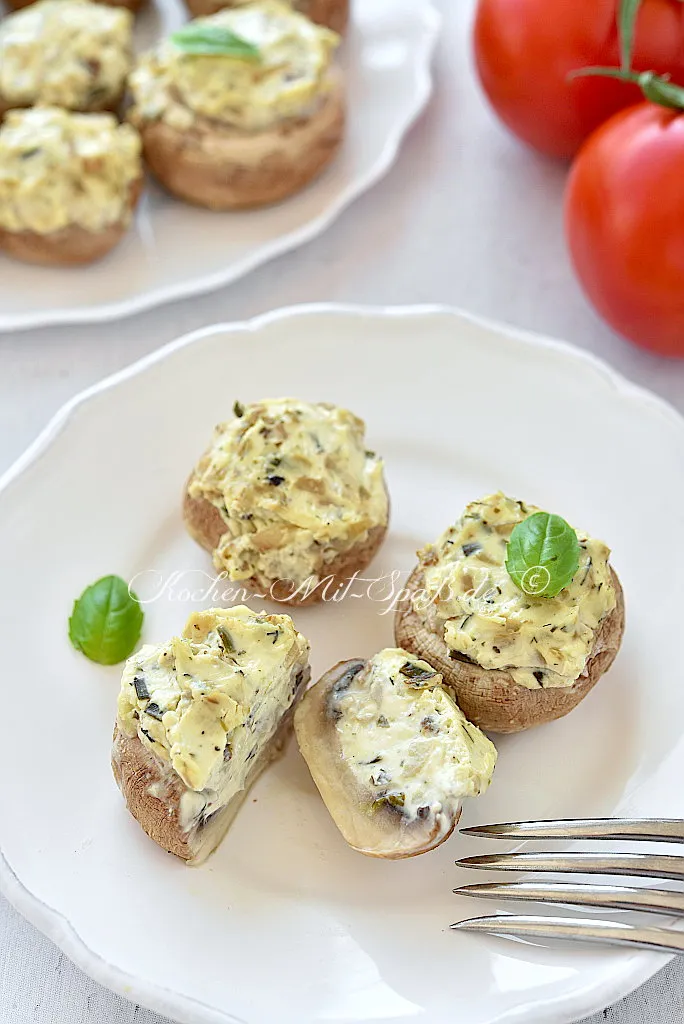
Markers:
{"x": 466, "y": 217}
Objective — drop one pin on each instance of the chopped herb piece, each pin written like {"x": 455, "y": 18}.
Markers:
{"x": 396, "y": 799}
{"x": 238, "y": 410}
{"x": 471, "y": 549}
{"x": 423, "y": 812}
{"x": 370, "y": 454}
{"x": 275, "y": 480}
{"x": 154, "y": 711}
{"x": 149, "y": 736}
{"x": 539, "y": 676}
{"x": 373, "y": 760}
{"x": 226, "y": 641}
{"x": 383, "y": 722}
{"x": 141, "y": 691}
{"x": 415, "y": 673}
{"x": 275, "y": 634}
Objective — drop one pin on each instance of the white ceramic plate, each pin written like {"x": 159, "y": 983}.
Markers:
{"x": 174, "y": 249}
{"x": 285, "y": 923}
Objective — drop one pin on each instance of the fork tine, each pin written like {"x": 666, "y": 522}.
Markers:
{"x": 642, "y": 865}
{"x": 585, "y": 930}
{"x": 614, "y": 897}
{"x": 653, "y": 830}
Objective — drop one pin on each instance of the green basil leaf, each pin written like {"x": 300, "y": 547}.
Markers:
{"x": 627, "y": 16}
{"x": 106, "y": 621}
{"x": 542, "y": 555}
{"x": 202, "y": 39}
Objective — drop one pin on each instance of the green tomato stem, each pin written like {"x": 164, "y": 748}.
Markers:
{"x": 656, "y": 88}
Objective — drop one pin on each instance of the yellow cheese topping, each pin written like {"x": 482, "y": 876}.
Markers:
{"x": 66, "y": 53}
{"x": 208, "y": 701}
{"x": 406, "y": 740}
{"x": 59, "y": 169}
{"x": 290, "y": 78}
{"x": 295, "y": 487}
{"x": 470, "y": 598}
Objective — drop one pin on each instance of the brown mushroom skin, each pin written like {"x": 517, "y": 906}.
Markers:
{"x": 332, "y": 13}
{"x": 490, "y": 698}
{"x": 71, "y": 246}
{"x": 384, "y": 832}
{"x": 205, "y": 525}
{"x": 221, "y": 168}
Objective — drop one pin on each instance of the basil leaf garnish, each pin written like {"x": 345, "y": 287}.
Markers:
{"x": 542, "y": 555}
{"x": 202, "y": 39}
{"x": 106, "y": 621}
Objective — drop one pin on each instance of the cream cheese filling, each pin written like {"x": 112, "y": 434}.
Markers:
{"x": 59, "y": 169}
{"x": 290, "y": 79}
{"x": 406, "y": 740}
{"x": 295, "y": 486}
{"x": 209, "y": 701}
{"x": 67, "y": 53}
{"x": 473, "y": 602}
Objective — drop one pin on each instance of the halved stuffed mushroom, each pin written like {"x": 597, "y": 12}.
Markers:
{"x": 68, "y": 184}
{"x": 200, "y": 717}
{"x": 240, "y": 109}
{"x": 65, "y": 53}
{"x": 391, "y": 753}
{"x": 516, "y": 650}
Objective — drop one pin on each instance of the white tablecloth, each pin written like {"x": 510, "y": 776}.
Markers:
{"x": 466, "y": 217}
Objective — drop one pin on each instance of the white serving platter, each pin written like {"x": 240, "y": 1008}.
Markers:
{"x": 285, "y": 922}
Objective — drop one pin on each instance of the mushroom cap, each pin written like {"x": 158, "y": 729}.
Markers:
{"x": 377, "y": 832}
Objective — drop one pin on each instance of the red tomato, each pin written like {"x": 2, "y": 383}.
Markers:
{"x": 525, "y": 49}
{"x": 624, "y": 217}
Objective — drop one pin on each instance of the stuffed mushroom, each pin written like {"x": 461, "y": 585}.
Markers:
{"x": 391, "y": 753}
{"x": 240, "y": 109}
{"x": 333, "y": 13}
{"x": 199, "y": 719}
{"x": 288, "y": 499}
{"x": 514, "y": 655}
{"x": 69, "y": 184}
{"x": 65, "y": 53}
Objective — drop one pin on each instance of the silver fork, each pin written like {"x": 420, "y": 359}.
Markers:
{"x": 582, "y": 894}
